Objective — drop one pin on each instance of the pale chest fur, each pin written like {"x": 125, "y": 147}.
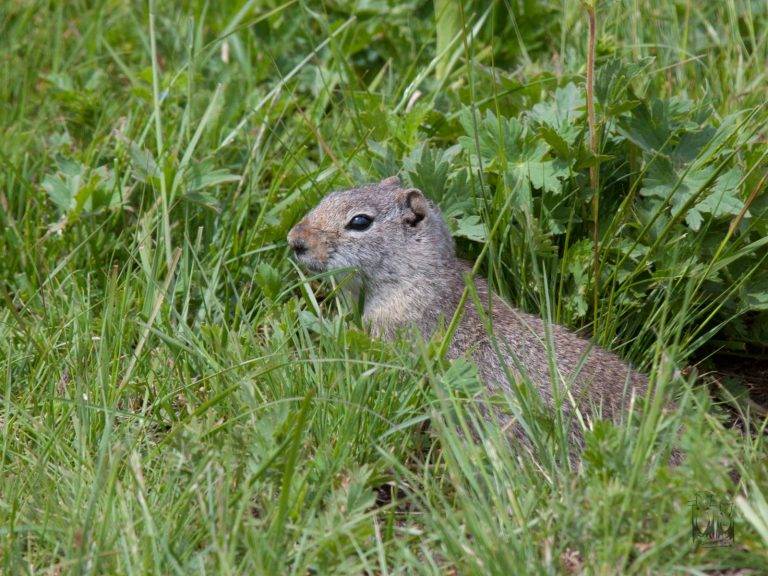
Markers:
{"x": 397, "y": 310}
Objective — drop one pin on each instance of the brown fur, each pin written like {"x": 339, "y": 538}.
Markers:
{"x": 413, "y": 279}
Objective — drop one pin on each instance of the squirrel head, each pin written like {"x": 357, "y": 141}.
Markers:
{"x": 383, "y": 230}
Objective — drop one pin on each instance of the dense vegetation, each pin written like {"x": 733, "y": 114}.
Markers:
{"x": 177, "y": 397}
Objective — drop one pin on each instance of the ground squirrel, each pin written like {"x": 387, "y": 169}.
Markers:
{"x": 404, "y": 253}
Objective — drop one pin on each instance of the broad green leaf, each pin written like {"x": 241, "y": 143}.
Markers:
{"x": 558, "y": 117}
{"x": 524, "y": 160}
{"x": 143, "y": 163}
{"x": 579, "y": 258}
{"x": 472, "y": 228}
{"x": 497, "y": 139}
{"x": 612, "y": 82}
{"x": 461, "y": 377}
{"x": 680, "y": 187}
{"x": 547, "y": 175}
{"x": 691, "y": 144}
{"x": 647, "y": 127}
{"x": 754, "y": 294}
{"x": 61, "y": 191}
{"x": 73, "y": 188}
{"x": 723, "y": 200}
{"x": 429, "y": 169}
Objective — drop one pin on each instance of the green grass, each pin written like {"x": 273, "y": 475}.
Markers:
{"x": 177, "y": 397}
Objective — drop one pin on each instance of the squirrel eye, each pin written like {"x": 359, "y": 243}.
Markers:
{"x": 360, "y": 222}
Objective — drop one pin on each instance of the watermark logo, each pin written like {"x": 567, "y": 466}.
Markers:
{"x": 712, "y": 521}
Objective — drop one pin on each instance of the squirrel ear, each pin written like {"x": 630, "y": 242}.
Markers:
{"x": 415, "y": 203}
{"x": 391, "y": 181}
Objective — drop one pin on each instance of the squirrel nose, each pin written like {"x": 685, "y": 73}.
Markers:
{"x": 298, "y": 245}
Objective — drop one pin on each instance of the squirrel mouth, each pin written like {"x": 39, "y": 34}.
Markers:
{"x": 310, "y": 263}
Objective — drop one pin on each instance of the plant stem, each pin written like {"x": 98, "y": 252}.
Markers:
{"x": 594, "y": 169}
{"x": 156, "y": 102}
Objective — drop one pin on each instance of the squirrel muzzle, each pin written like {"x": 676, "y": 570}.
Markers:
{"x": 308, "y": 250}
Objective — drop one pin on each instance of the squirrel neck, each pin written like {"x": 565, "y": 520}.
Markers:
{"x": 413, "y": 292}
